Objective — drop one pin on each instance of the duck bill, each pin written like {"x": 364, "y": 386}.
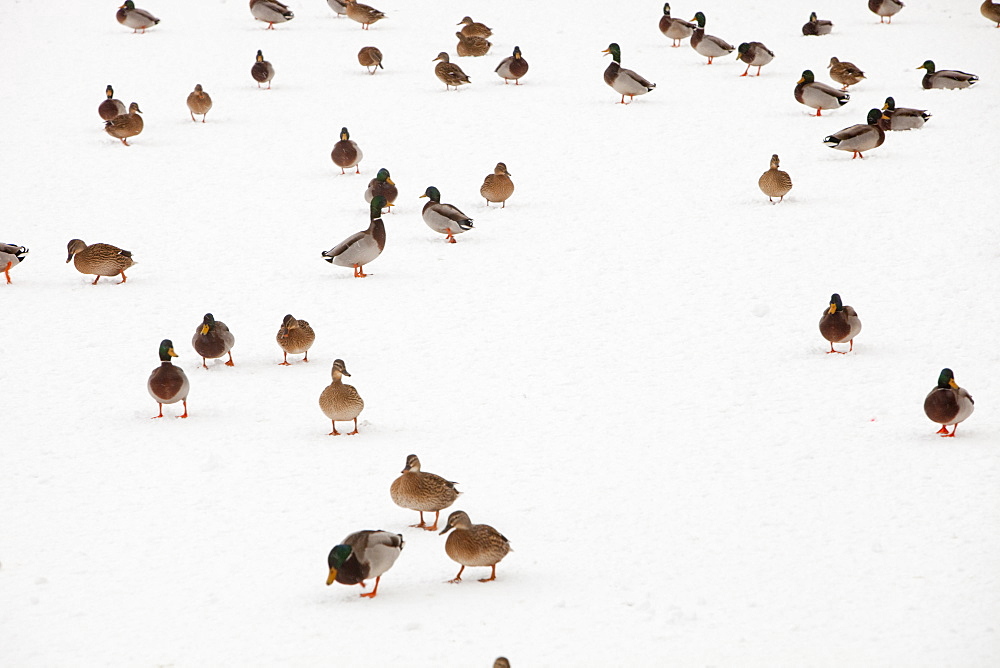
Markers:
{"x": 832, "y": 309}
{"x": 389, "y": 181}
{"x": 421, "y": 197}
{"x": 331, "y": 577}
{"x": 204, "y": 329}
{"x": 446, "y": 530}
{"x": 953, "y": 384}
{"x": 172, "y": 353}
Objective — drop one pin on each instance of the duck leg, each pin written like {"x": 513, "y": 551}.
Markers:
{"x": 422, "y": 525}
{"x": 193, "y": 118}
{"x": 306, "y": 358}
{"x": 952, "y": 434}
{"x": 334, "y": 432}
{"x": 161, "y": 412}
{"x": 230, "y": 362}
{"x": 125, "y": 142}
{"x": 359, "y": 271}
{"x": 351, "y": 433}
{"x": 493, "y": 575}
{"x": 6, "y": 271}
{"x": 746, "y": 72}
{"x": 450, "y": 238}
{"x": 96, "y": 278}
{"x": 943, "y": 430}
{"x": 458, "y": 578}
{"x": 185, "y": 409}
{"x": 374, "y": 591}
{"x": 857, "y": 154}
{"x": 831, "y": 350}
{"x": 122, "y": 272}
{"x": 285, "y": 363}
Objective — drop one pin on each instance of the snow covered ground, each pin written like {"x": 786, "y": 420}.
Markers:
{"x": 622, "y": 368}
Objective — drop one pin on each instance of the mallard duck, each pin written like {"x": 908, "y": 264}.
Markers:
{"x": 370, "y": 57}
{"x": 774, "y": 182}
{"x": 675, "y": 29}
{"x": 110, "y": 107}
{"x": 125, "y": 126}
{"x": 945, "y": 78}
{"x": 383, "y": 186}
{"x": 340, "y": 401}
{"x": 901, "y": 118}
{"x": 346, "y": 154}
{"x": 622, "y": 80}
{"x": 497, "y": 187}
{"x": 10, "y": 257}
{"x": 270, "y": 12}
{"x": 339, "y": 6}
{"x": 844, "y": 72}
{"x": 817, "y": 26}
{"x": 363, "y": 14}
{"x": 991, "y": 10}
{"x": 199, "y": 102}
{"x": 948, "y": 403}
{"x": 136, "y": 19}
{"x": 262, "y": 71}
{"x": 858, "y": 138}
{"x": 99, "y": 259}
{"x": 168, "y": 384}
{"x": 512, "y": 67}
{"x": 423, "y": 492}
{"x": 708, "y": 45}
{"x": 473, "y": 29}
{"x": 817, "y": 95}
{"x": 839, "y": 324}
{"x": 885, "y": 8}
{"x": 472, "y": 46}
{"x": 364, "y": 555}
{"x": 362, "y": 247}
{"x": 474, "y": 544}
{"x": 444, "y": 218}
{"x": 754, "y": 54}
{"x": 212, "y": 339}
{"x": 450, "y": 73}
{"x": 295, "y": 337}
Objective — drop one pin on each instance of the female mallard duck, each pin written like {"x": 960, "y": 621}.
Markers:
{"x": 472, "y": 45}
{"x": 99, "y": 259}
{"x": 125, "y": 126}
{"x": 754, "y": 54}
{"x": 945, "y": 78}
{"x": 295, "y": 337}
{"x": 901, "y": 118}
{"x": 199, "y": 102}
{"x": 362, "y": 247}
{"x": 512, "y": 67}
{"x": 383, "y": 186}
{"x": 262, "y": 71}
{"x": 168, "y": 384}
{"x": 844, "y": 72}
{"x": 110, "y": 107}
{"x": 885, "y": 8}
{"x": 270, "y": 12}
{"x": 212, "y": 339}
{"x": 991, "y": 10}
{"x": 858, "y": 138}
{"x": 11, "y": 256}
{"x": 774, "y": 182}
{"x": 948, "y": 403}
{"x": 497, "y": 187}
{"x": 136, "y": 19}
{"x": 817, "y": 95}
{"x": 839, "y": 324}
{"x": 450, "y": 73}
{"x": 474, "y": 544}
{"x": 340, "y": 401}
{"x": 708, "y": 45}
{"x": 624, "y": 81}
{"x": 675, "y": 29}
{"x": 817, "y": 26}
{"x": 501, "y": 662}
{"x": 346, "y": 154}
{"x": 423, "y": 492}
{"x": 473, "y": 29}
{"x": 444, "y": 218}
{"x": 364, "y": 555}
{"x": 371, "y": 58}
{"x": 339, "y": 6}
{"x": 363, "y": 14}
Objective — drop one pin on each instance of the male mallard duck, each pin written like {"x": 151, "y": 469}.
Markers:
{"x": 212, "y": 339}
{"x": 168, "y": 384}
{"x": 817, "y": 26}
{"x": 474, "y": 544}
{"x": 136, "y": 19}
{"x": 270, "y": 12}
{"x": 858, "y": 138}
{"x": 295, "y": 337}
{"x": 901, "y": 118}
{"x": 991, "y": 10}
{"x": 774, "y": 182}
{"x": 450, "y": 73}
{"x": 362, "y": 247}
{"x": 423, "y": 492}
{"x": 675, "y": 29}
{"x": 497, "y": 187}
{"x": 363, "y": 14}
{"x": 339, "y": 6}
{"x": 624, "y": 81}
{"x": 125, "y": 126}
{"x": 346, "y": 154}
{"x": 262, "y": 71}
{"x": 363, "y": 555}
{"x": 817, "y": 95}
{"x": 708, "y": 45}
{"x": 948, "y": 403}
{"x": 371, "y": 58}
{"x": 844, "y": 72}
{"x": 754, "y": 54}
{"x": 110, "y": 107}
{"x": 839, "y": 323}
{"x": 444, "y": 218}
{"x": 199, "y": 102}
{"x": 472, "y": 46}
{"x": 473, "y": 29}
{"x": 99, "y": 259}
{"x": 340, "y": 401}
{"x": 512, "y": 67}
{"x": 885, "y": 8}
{"x": 383, "y": 186}
{"x": 11, "y": 256}
{"x": 945, "y": 78}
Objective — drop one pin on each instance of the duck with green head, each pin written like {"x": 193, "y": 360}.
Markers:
{"x": 346, "y": 153}
{"x": 901, "y": 118}
{"x": 512, "y": 67}
{"x": 622, "y": 80}
{"x": 709, "y": 46}
{"x": 212, "y": 339}
{"x": 945, "y": 78}
{"x": 754, "y": 54}
{"x": 817, "y": 26}
{"x": 675, "y": 29}
{"x": 262, "y": 70}
{"x": 361, "y": 247}
{"x": 839, "y": 324}
{"x": 136, "y": 19}
{"x": 363, "y": 555}
{"x": 818, "y": 95}
{"x": 382, "y": 185}
{"x": 948, "y": 403}
{"x": 445, "y": 219}
{"x": 858, "y": 138}
{"x": 168, "y": 384}
{"x": 270, "y": 12}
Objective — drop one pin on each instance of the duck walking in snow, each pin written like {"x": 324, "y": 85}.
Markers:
{"x": 816, "y": 26}
{"x": 423, "y": 492}
{"x": 370, "y": 58}
{"x": 262, "y": 70}
{"x": 450, "y": 73}
{"x": 945, "y": 78}
{"x": 844, "y": 72}
{"x": 99, "y": 259}
{"x": 818, "y": 95}
{"x": 858, "y": 138}
{"x": 709, "y": 46}
{"x": 362, "y": 247}
{"x": 839, "y": 324}
{"x": 625, "y": 82}
{"x": 901, "y": 118}
{"x": 363, "y": 14}
{"x": 11, "y": 255}
{"x": 474, "y": 545}
{"x": 270, "y": 12}
{"x": 346, "y": 153}
{"x": 885, "y": 9}
{"x": 774, "y": 182}
{"x": 136, "y": 19}
{"x": 212, "y": 339}
{"x": 754, "y": 54}
{"x": 295, "y": 337}
{"x": 110, "y": 107}
{"x": 675, "y": 29}
{"x": 497, "y": 187}
{"x": 127, "y": 125}
{"x": 199, "y": 102}
{"x": 364, "y": 555}
{"x": 512, "y": 67}
{"x": 446, "y": 219}
{"x": 948, "y": 403}
{"x": 168, "y": 384}
{"x": 340, "y": 401}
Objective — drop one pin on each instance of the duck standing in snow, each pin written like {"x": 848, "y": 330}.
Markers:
{"x": 126, "y": 125}
{"x": 945, "y": 78}
{"x": 136, "y": 19}
{"x": 709, "y": 46}
{"x": 364, "y": 555}
{"x": 110, "y": 107}
{"x": 199, "y": 102}
{"x": 839, "y": 323}
{"x": 99, "y": 259}
{"x": 754, "y": 54}
{"x": 885, "y": 9}
{"x": 340, "y": 401}
{"x": 168, "y": 384}
{"x": 474, "y": 545}
{"x": 212, "y": 339}
{"x": 513, "y": 67}
{"x": 948, "y": 403}
{"x": 370, "y": 58}
{"x": 270, "y": 12}
{"x": 858, "y": 138}
{"x": 622, "y": 80}
{"x": 450, "y": 73}
{"x": 363, "y": 14}
{"x": 295, "y": 337}
{"x": 423, "y": 492}
{"x": 497, "y": 187}
{"x": 10, "y": 256}
{"x": 774, "y": 182}
{"x": 362, "y": 247}
{"x": 818, "y": 95}
{"x": 382, "y": 185}
{"x": 446, "y": 219}
{"x": 346, "y": 153}
{"x": 262, "y": 70}
{"x": 675, "y": 29}
{"x": 844, "y": 72}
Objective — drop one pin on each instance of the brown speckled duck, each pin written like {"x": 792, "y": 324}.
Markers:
{"x": 473, "y": 29}
{"x": 423, "y": 492}
{"x": 363, "y": 14}
{"x": 364, "y": 555}
{"x": 901, "y": 118}
{"x": 675, "y": 29}
{"x": 99, "y": 259}
{"x": 844, "y": 72}
{"x": 885, "y": 9}
{"x": 774, "y": 182}
{"x": 816, "y": 26}
{"x": 127, "y": 125}
{"x": 497, "y": 187}
{"x": 136, "y": 19}
{"x": 11, "y": 255}
{"x": 472, "y": 45}
{"x": 512, "y": 67}
{"x": 948, "y": 403}
{"x": 212, "y": 339}
{"x": 839, "y": 324}
{"x": 110, "y": 107}
{"x": 199, "y": 102}
{"x": 168, "y": 384}
{"x": 818, "y": 95}
{"x": 346, "y": 153}
{"x": 371, "y": 58}
{"x": 270, "y": 12}
{"x": 450, "y": 73}
{"x": 262, "y": 70}
{"x": 340, "y": 401}
{"x": 474, "y": 545}
{"x": 295, "y": 337}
